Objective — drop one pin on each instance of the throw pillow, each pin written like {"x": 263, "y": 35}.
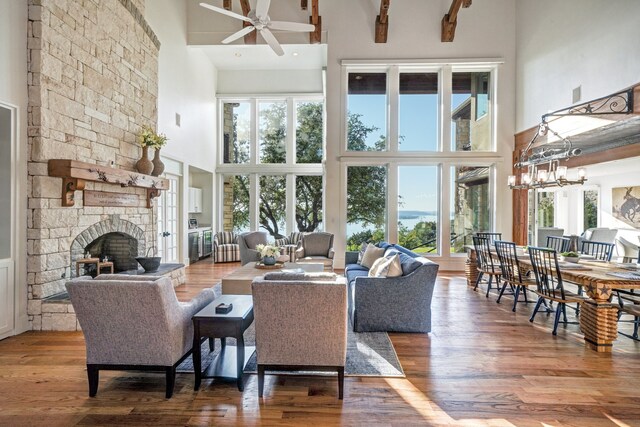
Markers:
{"x": 370, "y": 255}
{"x": 386, "y": 267}
{"x": 363, "y": 249}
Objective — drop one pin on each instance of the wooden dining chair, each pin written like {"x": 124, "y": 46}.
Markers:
{"x": 489, "y": 235}
{"x": 629, "y": 303}
{"x": 599, "y": 250}
{"x": 558, "y": 243}
{"x": 487, "y": 263}
{"x": 549, "y": 285}
{"x": 511, "y": 272}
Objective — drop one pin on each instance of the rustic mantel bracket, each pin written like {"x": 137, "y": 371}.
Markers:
{"x": 69, "y": 186}
{"x": 74, "y": 175}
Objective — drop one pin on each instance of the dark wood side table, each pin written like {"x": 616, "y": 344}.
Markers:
{"x": 230, "y": 363}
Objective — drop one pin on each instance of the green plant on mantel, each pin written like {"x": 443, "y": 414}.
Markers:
{"x": 149, "y": 138}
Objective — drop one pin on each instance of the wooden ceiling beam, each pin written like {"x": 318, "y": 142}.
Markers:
{"x": 304, "y": 4}
{"x": 315, "y": 19}
{"x": 382, "y": 22}
{"x": 252, "y": 36}
{"x": 450, "y": 20}
{"x": 226, "y": 4}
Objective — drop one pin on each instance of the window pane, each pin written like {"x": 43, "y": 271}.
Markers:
{"x": 545, "y": 209}
{"x": 418, "y": 112}
{"x": 418, "y": 208}
{"x": 590, "y": 209}
{"x": 308, "y": 203}
{"x": 273, "y": 132}
{"x": 470, "y": 204}
{"x": 367, "y": 112}
{"x": 471, "y": 112}
{"x": 273, "y": 211}
{"x": 366, "y": 204}
{"x": 309, "y": 135}
{"x": 235, "y": 211}
{"x": 237, "y": 132}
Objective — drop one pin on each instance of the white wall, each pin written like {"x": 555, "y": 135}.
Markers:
{"x": 256, "y": 82}
{"x": 187, "y": 86}
{"x": 13, "y": 91}
{"x": 565, "y": 44}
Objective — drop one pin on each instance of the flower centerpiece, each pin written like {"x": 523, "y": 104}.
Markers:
{"x": 570, "y": 256}
{"x": 268, "y": 253}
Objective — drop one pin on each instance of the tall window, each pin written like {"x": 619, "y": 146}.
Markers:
{"x": 470, "y": 204}
{"x": 413, "y": 125}
{"x": 470, "y": 112}
{"x": 366, "y": 204}
{"x": 271, "y": 178}
{"x": 418, "y": 112}
{"x": 367, "y": 111}
{"x": 418, "y": 208}
{"x": 590, "y": 206}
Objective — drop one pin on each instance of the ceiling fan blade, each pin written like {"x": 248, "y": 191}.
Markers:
{"x": 291, "y": 26}
{"x": 271, "y": 41}
{"x": 237, "y": 35}
{"x": 225, "y": 12}
{"x": 262, "y": 8}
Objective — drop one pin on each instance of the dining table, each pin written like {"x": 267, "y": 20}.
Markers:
{"x": 599, "y": 279}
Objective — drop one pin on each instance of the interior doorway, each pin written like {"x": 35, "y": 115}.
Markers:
{"x": 7, "y": 224}
{"x": 168, "y": 220}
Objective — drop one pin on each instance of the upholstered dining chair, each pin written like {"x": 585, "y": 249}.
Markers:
{"x": 316, "y": 247}
{"x": 301, "y": 323}
{"x": 248, "y": 242}
{"x": 487, "y": 263}
{"x": 134, "y": 323}
{"x": 549, "y": 284}
{"x": 511, "y": 272}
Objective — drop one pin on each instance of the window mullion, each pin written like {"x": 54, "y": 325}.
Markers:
{"x": 255, "y": 125}
{"x": 393, "y": 90}
{"x": 291, "y": 132}
{"x": 291, "y": 203}
{"x": 392, "y": 202}
{"x": 444, "y": 220}
{"x": 445, "y": 90}
{"x": 254, "y": 210}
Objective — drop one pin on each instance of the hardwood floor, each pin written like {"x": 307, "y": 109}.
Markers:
{"x": 481, "y": 365}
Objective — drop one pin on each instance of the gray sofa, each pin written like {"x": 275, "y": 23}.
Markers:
{"x": 394, "y": 304}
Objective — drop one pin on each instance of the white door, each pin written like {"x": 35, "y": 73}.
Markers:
{"x": 168, "y": 221}
{"x": 7, "y": 200}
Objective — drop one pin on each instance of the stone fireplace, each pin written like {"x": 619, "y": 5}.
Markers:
{"x": 119, "y": 240}
{"x": 93, "y": 82}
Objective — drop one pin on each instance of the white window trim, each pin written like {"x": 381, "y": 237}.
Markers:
{"x": 254, "y": 169}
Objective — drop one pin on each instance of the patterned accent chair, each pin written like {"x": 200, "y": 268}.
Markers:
{"x": 288, "y": 245}
{"x": 226, "y": 247}
{"x": 301, "y": 323}
{"x": 316, "y": 247}
{"x": 248, "y": 242}
{"x": 134, "y": 323}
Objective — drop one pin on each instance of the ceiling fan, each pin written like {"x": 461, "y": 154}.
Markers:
{"x": 261, "y": 22}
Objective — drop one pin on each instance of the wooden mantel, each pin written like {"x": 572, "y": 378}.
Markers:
{"x": 74, "y": 174}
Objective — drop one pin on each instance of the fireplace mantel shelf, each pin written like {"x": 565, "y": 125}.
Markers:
{"x": 74, "y": 174}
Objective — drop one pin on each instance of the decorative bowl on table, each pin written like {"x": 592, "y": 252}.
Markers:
{"x": 149, "y": 263}
{"x": 570, "y": 257}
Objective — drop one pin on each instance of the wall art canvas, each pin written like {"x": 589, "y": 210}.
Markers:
{"x": 626, "y": 205}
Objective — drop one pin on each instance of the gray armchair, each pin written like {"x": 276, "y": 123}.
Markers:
{"x": 316, "y": 247}
{"x": 544, "y": 232}
{"x": 248, "y": 242}
{"x": 301, "y": 324}
{"x": 134, "y": 323}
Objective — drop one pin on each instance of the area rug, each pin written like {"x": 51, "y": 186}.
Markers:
{"x": 369, "y": 354}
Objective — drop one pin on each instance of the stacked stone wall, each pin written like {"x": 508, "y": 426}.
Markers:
{"x": 93, "y": 82}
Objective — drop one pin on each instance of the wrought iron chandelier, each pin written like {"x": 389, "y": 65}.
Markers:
{"x": 542, "y": 162}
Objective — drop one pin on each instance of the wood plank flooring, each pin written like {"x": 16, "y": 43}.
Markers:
{"x": 481, "y": 366}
